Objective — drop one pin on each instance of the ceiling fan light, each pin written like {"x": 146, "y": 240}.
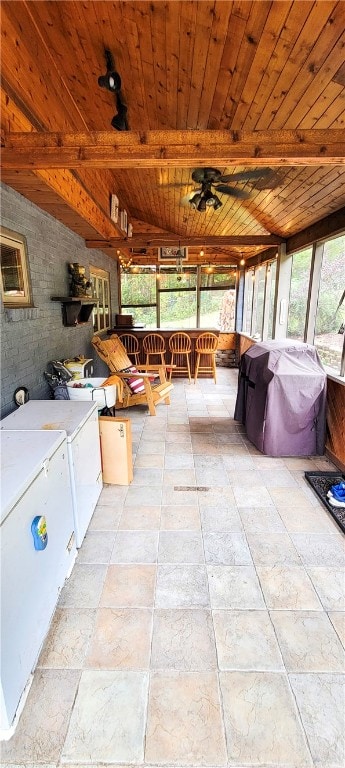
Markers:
{"x": 111, "y": 81}
{"x": 119, "y": 121}
{"x": 195, "y": 200}
{"x": 217, "y": 203}
{"x": 201, "y": 205}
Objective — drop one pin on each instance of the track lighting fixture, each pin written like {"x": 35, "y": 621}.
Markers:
{"x": 112, "y": 82}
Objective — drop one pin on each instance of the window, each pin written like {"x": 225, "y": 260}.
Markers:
{"x": 215, "y": 283}
{"x": 258, "y": 301}
{"x": 138, "y": 295}
{"x": 100, "y": 282}
{"x": 248, "y": 300}
{"x": 15, "y": 280}
{"x": 177, "y": 297}
{"x": 299, "y": 291}
{"x": 272, "y": 271}
{"x": 330, "y": 315}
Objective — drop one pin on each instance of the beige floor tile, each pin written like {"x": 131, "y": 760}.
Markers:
{"x": 261, "y": 721}
{"x": 293, "y": 498}
{"x": 338, "y": 620}
{"x": 185, "y": 461}
{"x": 149, "y": 461}
{"x": 178, "y": 495}
{"x": 330, "y": 586}
{"x": 184, "y": 720}
{"x": 320, "y": 549}
{"x": 147, "y": 477}
{"x": 84, "y": 586}
{"x": 252, "y": 495}
{"x": 180, "y": 518}
{"x": 135, "y": 547}
{"x": 320, "y": 699}
{"x": 42, "y": 727}
{"x": 222, "y": 548}
{"x": 246, "y": 640}
{"x": 96, "y": 547}
{"x": 105, "y": 518}
{"x": 261, "y": 520}
{"x": 121, "y": 639}
{"x": 181, "y": 586}
{"x": 179, "y": 477}
{"x": 217, "y": 497}
{"x": 150, "y": 447}
{"x": 180, "y": 547}
{"x": 234, "y": 586}
{"x": 68, "y": 638}
{"x": 313, "y": 520}
{"x": 183, "y": 640}
{"x": 272, "y": 549}
{"x": 308, "y": 641}
{"x": 140, "y": 519}
{"x": 288, "y": 588}
{"x": 142, "y": 495}
{"x": 129, "y": 585}
{"x": 225, "y": 518}
{"x": 108, "y": 719}
{"x": 175, "y": 449}
{"x": 112, "y": 495}
{"x": 209, "y": 470}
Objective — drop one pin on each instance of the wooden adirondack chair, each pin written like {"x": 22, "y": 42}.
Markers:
{"x": 149, "y": 381}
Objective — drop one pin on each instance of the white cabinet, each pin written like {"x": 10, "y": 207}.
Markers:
{"x": 35, "y": 483}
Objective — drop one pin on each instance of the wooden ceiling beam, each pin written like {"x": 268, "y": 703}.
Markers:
{"x": 184, "y": 149}
{"x": 156, "y": 241}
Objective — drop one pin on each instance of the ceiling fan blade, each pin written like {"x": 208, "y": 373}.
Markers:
{"x": 247, "y": 175}
{"x": 224, "y": 189}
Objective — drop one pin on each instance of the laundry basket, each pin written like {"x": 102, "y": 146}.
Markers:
{"x": 93, "y": 389}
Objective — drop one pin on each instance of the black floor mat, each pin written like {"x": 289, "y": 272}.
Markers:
{"x": 321, "y": 482}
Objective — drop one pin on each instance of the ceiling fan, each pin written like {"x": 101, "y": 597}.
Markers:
{"x": 212, "y": 181}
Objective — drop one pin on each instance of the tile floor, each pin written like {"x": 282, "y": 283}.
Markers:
{"x": 202, "y": 623}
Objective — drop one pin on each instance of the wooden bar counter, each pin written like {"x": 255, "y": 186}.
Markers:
{"x": 140, "y": 333}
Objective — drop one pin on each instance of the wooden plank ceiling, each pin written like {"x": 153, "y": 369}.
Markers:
{"x": 265, "y": 79}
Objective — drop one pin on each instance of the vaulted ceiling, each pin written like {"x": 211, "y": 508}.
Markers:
{"x": 239, "y": 86}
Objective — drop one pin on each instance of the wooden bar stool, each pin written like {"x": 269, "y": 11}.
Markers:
{"x": 154, "y": 346}
{"x": 180, "y": 347}
{"x": 131, "y": 345}
{"x": 206, "y": 347}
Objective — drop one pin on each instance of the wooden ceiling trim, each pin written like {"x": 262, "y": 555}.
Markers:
{"x": 294, "y": 59}
{"x": 312, "y": 72}
{"x": 220, "y": 14}
{"x": 330, "y": 226}
{"x": 183, "y": 148}
{"x": 172, "y": 42}
{"x": 188, "y": 17}
{"x": 246, "y": 53}
{"x": 317, "y": 86}
{"x": 199, "y": 60}
{"x": 235, "y": 33}
{"x": 325, "y": 109}
{"x": 30, "y": 70}
{"x": 141, "y": 85}
{"x": 146, "y": 241}
{"x": 274, "y": 24}
{"x": 295, "y": 20}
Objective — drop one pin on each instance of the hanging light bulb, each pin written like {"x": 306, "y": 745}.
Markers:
{"x": 202, "y": 253}
{"x": 242, "y": 262}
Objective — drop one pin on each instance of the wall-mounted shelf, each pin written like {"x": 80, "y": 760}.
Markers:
{"x": 76, "y": 310}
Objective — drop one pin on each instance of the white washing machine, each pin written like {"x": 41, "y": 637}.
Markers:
{"x": 80, "y": 422}
{"x": 37, "y": 554}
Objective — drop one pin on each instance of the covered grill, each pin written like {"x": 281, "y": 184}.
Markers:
{"x": 281, "y": 398}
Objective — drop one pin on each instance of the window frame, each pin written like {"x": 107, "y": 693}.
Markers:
{"x": 18, "y": 241}
{"x": 104, "y": 276}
